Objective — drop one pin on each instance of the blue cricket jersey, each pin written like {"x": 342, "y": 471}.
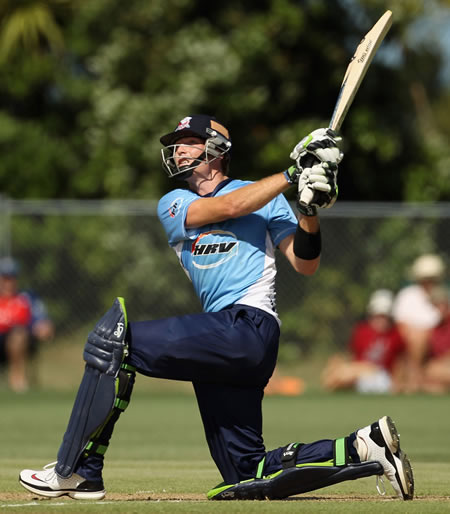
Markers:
{"x": 232, "y": 261}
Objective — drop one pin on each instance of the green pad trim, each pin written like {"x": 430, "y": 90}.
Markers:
{"x": 128, "y": 367}
{"x": 92, "y": 447}
{"x": 259, "y": 471}
{"x": 121, "y": 404}
{"x": 223, "y": 487}
{"x": 325, "y": 463}
{"x": 340, "y": 452}
{"x": 122, "y": 303}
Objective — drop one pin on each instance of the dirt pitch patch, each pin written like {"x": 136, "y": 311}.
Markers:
{"x": 190, "y": 497}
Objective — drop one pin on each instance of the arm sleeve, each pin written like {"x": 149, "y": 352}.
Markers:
{"x": 282, "y": 220}
{"x": 172, "y": 211}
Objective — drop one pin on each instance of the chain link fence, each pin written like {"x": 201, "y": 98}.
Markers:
{"x": 79, "y": 255}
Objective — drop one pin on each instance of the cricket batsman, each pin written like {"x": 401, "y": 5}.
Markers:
{"x": 224, "y": 232}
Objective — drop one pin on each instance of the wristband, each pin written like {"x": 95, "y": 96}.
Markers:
{"x": 307, "y": 245}
{"x": 289, "y": 177}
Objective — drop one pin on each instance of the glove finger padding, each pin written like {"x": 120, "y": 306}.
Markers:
{"x": 317, "y": 188}
{"x": 333, "y": 155}
{"x": 315, "y": 199}
{"x": 322, "y": 177}
{"x": 322, "y": 144}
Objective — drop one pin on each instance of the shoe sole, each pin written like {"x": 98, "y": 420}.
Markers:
{"x": 401, "y": 462}
{"x": 76, "y": 495}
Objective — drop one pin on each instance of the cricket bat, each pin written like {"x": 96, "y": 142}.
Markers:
{"x": 353, "y": 77}
{"x": 358, "y": 67}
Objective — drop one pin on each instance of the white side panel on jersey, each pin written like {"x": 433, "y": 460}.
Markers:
{"x": 178, "y": 249}
{"x": 262, "y": 293}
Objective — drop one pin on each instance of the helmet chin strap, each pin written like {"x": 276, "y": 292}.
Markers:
{"x": 201, "y": 159}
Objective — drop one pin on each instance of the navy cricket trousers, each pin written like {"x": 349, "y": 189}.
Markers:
{"x": 229, "y": 356}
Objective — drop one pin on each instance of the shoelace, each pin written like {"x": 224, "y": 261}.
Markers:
{"x": 50, "y": 468}
{"x": 381, "y": 488}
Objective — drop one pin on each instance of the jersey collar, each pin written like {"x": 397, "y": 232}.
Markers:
{"x": 218, "y": 188}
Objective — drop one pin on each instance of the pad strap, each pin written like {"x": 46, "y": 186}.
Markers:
{"x": 340, "y": 452}
{"x": 260, "y": 470}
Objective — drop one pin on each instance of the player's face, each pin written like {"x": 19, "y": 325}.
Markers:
{"x": 8, "y": 285}
{"x": 381, "y": 322}
{"x": 188, "y": 149}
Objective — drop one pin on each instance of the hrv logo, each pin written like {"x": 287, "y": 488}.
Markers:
{"x": 212, "y": 249}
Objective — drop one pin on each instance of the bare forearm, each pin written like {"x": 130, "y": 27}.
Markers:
{"x": 248, "y": 199}
{"x": 309, "y": 223}
{"x": 239, "y": 202}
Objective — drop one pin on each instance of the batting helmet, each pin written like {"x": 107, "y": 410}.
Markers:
{"x": 216, "y": 137}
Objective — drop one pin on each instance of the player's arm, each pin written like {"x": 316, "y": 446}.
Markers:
{"x": 313, "y": 183}
{"x": 239, "y": 202}
{"x": 303, "y": 248}
{"x": 317, "y": 189}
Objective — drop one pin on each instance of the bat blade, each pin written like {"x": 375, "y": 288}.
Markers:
{"x": 358, "y": 67}
{"x": 353, "y": 77}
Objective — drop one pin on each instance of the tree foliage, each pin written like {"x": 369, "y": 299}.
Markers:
{"x": 87, "y": 87}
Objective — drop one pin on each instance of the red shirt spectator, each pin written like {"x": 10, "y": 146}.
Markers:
{"x": 440, "y": 335}
{"x": 14, "y": 311}
{"x": 380, "y": 348}
{"x": 15, "y": 316}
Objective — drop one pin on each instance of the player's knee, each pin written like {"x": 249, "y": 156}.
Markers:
{"x": 106, "y": 346}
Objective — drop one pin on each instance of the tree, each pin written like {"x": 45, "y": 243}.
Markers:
{"x": 30, "y": 25}
{"x": 84, "y": 109}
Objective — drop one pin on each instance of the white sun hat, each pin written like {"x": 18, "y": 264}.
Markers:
{"x": 427, "y": 266}
{"x": 380, "y": 302}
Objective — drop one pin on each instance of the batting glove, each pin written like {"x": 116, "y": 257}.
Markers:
{"x": 321, "y": 145}
{"x": 317, "y": 188}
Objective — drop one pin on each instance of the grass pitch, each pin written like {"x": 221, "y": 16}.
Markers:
{"x": 159, "y": 462}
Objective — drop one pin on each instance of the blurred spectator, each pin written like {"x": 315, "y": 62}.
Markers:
{"x": 15, "y": 316}
{"x": 437, "y": 368}
{"x": 416, "y": 316}
{"x": 41, "y": 329}
{"x": 41, "y": 326}
{"x": 375, "y": 348}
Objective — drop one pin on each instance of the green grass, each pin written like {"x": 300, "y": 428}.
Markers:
{"x": 159, "y": 462}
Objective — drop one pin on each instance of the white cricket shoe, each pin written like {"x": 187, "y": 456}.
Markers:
{"x": 47, "y": 483}
{"x": 380, "y": 442}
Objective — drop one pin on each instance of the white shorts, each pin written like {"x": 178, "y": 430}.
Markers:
{"x": 377, "y": 382}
